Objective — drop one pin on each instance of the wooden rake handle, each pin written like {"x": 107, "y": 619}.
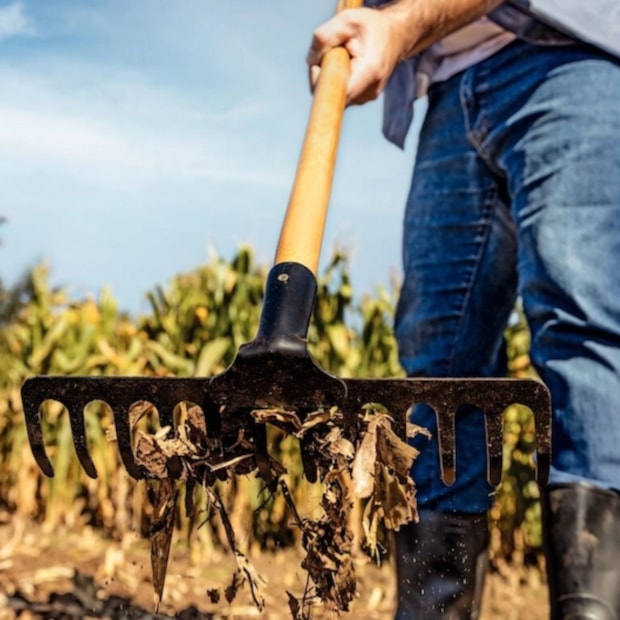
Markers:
{"x": 301, "y": 235}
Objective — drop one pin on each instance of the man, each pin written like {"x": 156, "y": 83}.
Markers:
{"x": 515, "y": 192}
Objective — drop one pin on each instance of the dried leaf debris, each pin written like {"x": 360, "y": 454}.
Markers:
{"x": 363, "y": 460}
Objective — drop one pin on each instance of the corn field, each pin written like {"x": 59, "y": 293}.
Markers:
{"x": 193, "y": 328}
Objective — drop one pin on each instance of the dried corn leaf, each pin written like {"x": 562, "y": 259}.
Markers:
{"x": 230, "y": 592}
{"x": 319, "y": 417}
{"x": 392, "y": 451}
{"x": 339, "y": 447}
{"x": 245, "y": 571}
{"x": 295, "y": 607}
{"x": 397, "y": 501}
{"x": 150, "y": 455}
{"x": 136, "y": 412}
{"x": 254, "y": 580}
{"x": 328, "y": 545}
{"x": 413, "y": 430}
{"x": 327, "y": 540}
{"x": 230, "y": 462}
{"x": 371, "y": 519}
{"x": 380, "y": 444}
{"x": 366, "y": 460}
{"x": 381, "y": 473}
{"x": 161, "y": 534}
{"x": 288, "y": 421}
{"x": 195, "y": 429}
{"x": 364, "y": 463}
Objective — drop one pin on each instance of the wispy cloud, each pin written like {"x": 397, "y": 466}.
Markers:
{"x": 57, "y": 116}
{"x": 14, "y": 22}
{"x": 167, "y": 121}
{"x": 54, "y": 137}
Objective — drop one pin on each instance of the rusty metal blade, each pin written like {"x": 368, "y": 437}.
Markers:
{"x": 494, "y": 422}
{"x": 122, "y": 427}
{"x": 446, "y": 436}
{"x": 445, "y": 396}
{"x": 302, "y": 388}
{"x": 120, "y": 393}
{"x": 75, "y": 411}
{"x": 34, "y": 430}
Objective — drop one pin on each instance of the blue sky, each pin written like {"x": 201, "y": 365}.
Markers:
{"x": 137, "y": 136}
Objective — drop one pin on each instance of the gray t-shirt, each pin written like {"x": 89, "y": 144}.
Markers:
{"x": 460, "y": 50}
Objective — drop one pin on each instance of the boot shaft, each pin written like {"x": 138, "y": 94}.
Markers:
{"x": 581, "y": 525}
{"x": 441, "y": 562}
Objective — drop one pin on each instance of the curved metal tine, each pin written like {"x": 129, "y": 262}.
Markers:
{"x": 261, "y": 454}
{"x": 543, "y": 467}
{"x": 540, "y": 405}
{"x": 34, "y": 431}
{"x": 447, "y": 445}
{"x": 535, "y": 395}
{"x": 213, "y": 422}
{"x": 75, "y": 411}
{"x": 123, "y": 437}
{"x": 494, "y": 427}
{"x": 165, "y": 414}
{"x": 542, "y": 425}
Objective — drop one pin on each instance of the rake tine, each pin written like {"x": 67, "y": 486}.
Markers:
{"x": 446, "y": 438}
{"x": 540, "y": 396}
{"x": 32, "y": 402}
{"x": 261, "y": 455}
{"x": 444, "y": 396}
{"x": 543, "y": 447}
{"x": 75, "y": 411}
{"x": 123, "y": 438}
{"x": 213, "y": 420}
{"x": 35, "y": 439}
{"x": 165, "y": 413}
{"x": 213, "y": 424}
{"x": 535, "y": 396}
{"x": 494, "y": 425}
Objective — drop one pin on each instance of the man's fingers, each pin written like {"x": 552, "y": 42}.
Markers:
{"x": 365, "y": 36}
{"x": 313, "y": 75}
{"x": 333, "y": 33}
{"x": 364, "y": 82}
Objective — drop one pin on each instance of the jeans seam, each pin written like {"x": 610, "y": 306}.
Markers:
{"x": 466, "y": 94}
{"x": 490, "y": 201}
{"x": 476, "y": 137}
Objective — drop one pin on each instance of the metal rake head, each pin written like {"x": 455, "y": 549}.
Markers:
{"x": 275, "y": 370}
{"x": 223, "y": 425}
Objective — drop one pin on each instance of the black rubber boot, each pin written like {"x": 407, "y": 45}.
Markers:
{"x": 441, "y": 562}
{"x": 581, "y": 525}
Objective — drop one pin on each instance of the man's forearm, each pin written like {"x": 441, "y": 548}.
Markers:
{"x": 417, "y": 24}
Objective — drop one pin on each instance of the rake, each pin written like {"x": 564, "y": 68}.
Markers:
{"x": 275, "y": 369}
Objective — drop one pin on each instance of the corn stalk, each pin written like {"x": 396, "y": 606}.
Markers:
{"x": 193, "y": 328}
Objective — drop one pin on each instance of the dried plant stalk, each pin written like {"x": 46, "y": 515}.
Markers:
{"x": 364, "y": 461}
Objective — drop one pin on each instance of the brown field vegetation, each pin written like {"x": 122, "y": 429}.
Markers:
{"x": 88, "y": 538}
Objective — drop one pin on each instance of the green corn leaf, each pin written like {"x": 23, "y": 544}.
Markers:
{"x": 211, "y": 355}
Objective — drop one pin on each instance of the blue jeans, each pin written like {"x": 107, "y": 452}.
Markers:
{"x": 516, "y": 192}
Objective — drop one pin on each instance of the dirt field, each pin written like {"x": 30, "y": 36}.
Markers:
{"x": 66, "y": 576}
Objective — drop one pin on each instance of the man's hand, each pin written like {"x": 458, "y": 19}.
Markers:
{"x": 377, "y": 39}
{"x": 369, "y": 37}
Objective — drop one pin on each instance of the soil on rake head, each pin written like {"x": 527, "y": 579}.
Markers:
{"x": 77, "y": 574}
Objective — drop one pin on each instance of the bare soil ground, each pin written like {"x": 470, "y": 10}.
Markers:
{"x": 67, "y": 575}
